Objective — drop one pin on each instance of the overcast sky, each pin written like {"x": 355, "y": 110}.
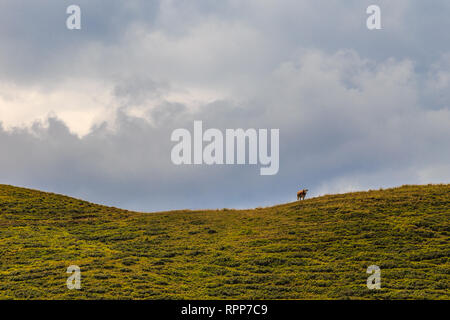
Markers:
{"x": 89, "y": 112}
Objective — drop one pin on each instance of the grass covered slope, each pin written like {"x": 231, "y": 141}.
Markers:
{"x": 317, "y": 248}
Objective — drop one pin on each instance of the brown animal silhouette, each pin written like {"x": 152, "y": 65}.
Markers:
{"x": 302, "y": 194}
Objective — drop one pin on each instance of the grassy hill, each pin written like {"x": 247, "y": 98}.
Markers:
{"x": 317, "y": 248}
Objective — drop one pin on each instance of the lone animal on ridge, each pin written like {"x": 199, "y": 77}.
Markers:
{"x": 302, "y": 194}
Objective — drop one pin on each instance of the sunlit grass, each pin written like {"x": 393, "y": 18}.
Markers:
{"x": 317, "y": 248}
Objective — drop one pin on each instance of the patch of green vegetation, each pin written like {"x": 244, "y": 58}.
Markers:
{"x": 319, "y": 248}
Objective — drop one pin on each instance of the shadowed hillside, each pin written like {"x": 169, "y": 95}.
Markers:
{"x": 317, "y": 248}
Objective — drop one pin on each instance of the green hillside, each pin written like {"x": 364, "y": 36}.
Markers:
{"x": 317, "y": 248}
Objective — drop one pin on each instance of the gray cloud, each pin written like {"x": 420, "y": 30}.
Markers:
{"x": 356, "y": 109}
